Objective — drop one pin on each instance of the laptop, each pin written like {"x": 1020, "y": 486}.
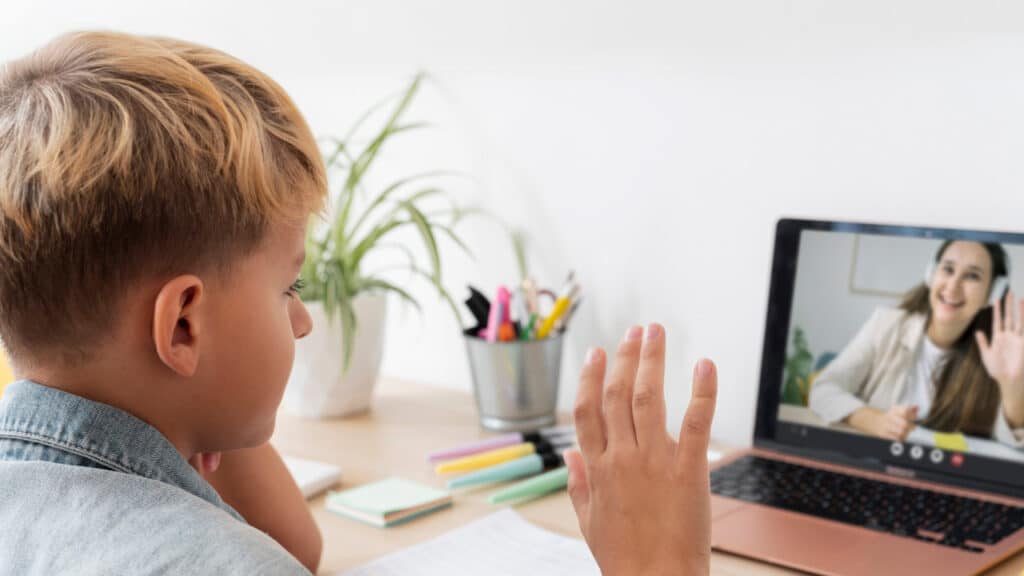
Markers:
{"x": 867, "y": 320}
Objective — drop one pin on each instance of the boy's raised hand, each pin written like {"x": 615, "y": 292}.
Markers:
{"x": 643, "y": 499}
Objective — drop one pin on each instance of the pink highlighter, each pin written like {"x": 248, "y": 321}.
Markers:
{"x": 499, "y": 313}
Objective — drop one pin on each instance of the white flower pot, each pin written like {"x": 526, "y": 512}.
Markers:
{"x": 319, "y": 386}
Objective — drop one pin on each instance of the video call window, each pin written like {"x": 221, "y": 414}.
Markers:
{"x": 894, "y": 337}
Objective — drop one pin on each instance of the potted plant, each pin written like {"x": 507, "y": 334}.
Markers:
{"x": 337, "y": 365}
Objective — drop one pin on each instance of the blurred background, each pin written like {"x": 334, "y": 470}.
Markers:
{"x": 649, "y": 146}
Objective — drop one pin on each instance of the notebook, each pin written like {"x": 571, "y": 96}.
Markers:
{"x": 501, "y": 544}
{"x": 311, "y": 476}
{"x": 388, "y": 502}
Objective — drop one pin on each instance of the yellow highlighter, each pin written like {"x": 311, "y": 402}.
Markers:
{"x": 561, "y": 306}
{"x": 485, "y": 459}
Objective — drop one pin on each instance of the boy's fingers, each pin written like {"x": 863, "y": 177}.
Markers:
{"x": 579, "y": 489}
{"x": 205, "y": 462}
{"x": 618, "y": 392}
{"x": 587, "y": 413}
{"x": 211, "y": 461}
{"x": 696, "y": 431}
{"x": 648, "y": 392}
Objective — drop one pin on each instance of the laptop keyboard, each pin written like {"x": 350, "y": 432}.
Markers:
{"x": 917, "y": 513}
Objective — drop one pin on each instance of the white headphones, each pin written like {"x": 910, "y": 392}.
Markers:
{"x": 1000, "y": 284}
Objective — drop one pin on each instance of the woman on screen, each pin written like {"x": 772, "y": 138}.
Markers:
{"x": 950, "y": 358}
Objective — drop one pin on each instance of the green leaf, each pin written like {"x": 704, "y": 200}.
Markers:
{"x": 378, "y": 284}
{"x": 385, "y": 194}
{"x": 369, "y": 154}
{"x": 519, "y": 246}
{"x": 340, "y": 150}
{"x": 372, "y": 237}
{"x": 427, "y": 234}
{"x": 442, "y": 292}
{"x": 349, "y": 324}
{"x": 410, "y": 258}
{"x": 331, "y": 296}
{"x": 458, "y": 214}
{"x": 365, "y": 159}
{"x": 447, "y": 231}
{"x": 373, "y": 109}
{"x": 423, "y": 194}
{"x": 410, "y": 127}
{"x": 333, "y": 270}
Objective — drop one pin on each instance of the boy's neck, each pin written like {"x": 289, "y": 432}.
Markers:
{"x": 133, "y": 394}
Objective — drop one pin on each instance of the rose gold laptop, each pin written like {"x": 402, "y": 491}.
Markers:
{"x": 819, "y": 495}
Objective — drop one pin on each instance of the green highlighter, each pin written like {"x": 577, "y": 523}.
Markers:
{"x": 534, "y": 487}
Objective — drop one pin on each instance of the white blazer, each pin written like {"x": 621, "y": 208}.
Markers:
{"x": 872, "y": 371}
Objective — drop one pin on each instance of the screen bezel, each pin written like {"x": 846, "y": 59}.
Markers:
{"x": 840, "y": 447}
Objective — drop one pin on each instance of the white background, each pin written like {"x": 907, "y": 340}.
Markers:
{"x": 650, "y": 146}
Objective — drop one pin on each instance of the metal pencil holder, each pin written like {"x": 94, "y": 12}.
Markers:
{"x": 515, "y": 383}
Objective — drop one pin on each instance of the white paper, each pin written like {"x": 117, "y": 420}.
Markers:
{"x": 311, "y": 476}
{"x": 501, "y": 544}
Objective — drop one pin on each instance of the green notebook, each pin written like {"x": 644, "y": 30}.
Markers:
{"x": 387, "y": 502}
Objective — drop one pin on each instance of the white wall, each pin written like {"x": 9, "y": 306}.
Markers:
{"x": 648, "y": 145}
{"x": 823, "y": 306}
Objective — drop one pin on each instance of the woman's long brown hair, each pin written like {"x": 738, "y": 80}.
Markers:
{"x": 966, "y": 397}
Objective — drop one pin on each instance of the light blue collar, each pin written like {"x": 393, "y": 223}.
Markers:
{"x": 105, "y": 435}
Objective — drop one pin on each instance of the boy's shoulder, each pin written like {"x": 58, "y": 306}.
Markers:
{"x": 73, "y": 519}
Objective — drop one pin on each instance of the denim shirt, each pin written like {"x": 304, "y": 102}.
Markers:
{"x": 86, "y": 488}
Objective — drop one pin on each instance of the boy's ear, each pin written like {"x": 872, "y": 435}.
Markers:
{"x": 177, "y": 323}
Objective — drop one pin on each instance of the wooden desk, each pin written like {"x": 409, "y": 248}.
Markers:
{"x": 407, "y": 422}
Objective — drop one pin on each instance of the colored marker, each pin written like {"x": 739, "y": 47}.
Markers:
{"x": 493, "y": 329}
{"x": 535, "y": 487}
{"x": 505, "y": 298}
{"x": 561, "y": 305}
{"x": 506, "y": 333}
{"x": 527, "y": 332}
{"x": 525, "y": 466}
{"x": 563, "y": 322}
{"x": 498, "y": 314}
{"x": 485, "y": 459}
{"x": 553, "y": 433}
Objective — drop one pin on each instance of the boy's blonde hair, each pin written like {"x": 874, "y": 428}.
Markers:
{"x": 123, "y": 157}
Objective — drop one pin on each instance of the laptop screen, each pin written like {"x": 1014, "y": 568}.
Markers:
{"x": 883, "y": 348}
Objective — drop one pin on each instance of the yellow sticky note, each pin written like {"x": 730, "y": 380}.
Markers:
{"x": 954, "y": 442}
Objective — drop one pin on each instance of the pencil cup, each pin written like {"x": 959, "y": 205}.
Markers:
{"x": 515, "y": 383}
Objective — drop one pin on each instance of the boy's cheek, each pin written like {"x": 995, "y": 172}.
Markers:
{"x": 253, "y": 356}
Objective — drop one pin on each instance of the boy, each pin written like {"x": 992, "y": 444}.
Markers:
{"x": 153, "y": 200}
